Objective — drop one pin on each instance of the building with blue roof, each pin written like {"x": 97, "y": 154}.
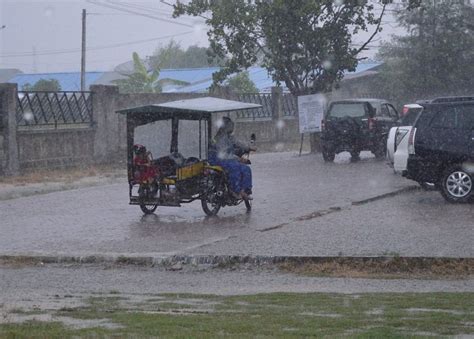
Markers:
{"x": 190, "y": 80}
{"x": 263, "y": 81}
{"x": 69, "y": 81}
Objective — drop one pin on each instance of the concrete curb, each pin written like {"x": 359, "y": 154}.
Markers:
{"x": 229, "y": 260}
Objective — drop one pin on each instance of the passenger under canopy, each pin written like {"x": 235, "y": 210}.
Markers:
{"x": 197, "y": 109}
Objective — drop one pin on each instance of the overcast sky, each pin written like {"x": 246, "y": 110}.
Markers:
{"x": 45, "y": 35}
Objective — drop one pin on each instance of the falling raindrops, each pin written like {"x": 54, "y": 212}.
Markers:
{"x": 279, "y": 146}
{"x": 280, "y": 124}
{"x": 28, "y": 116}
{"x": 219, "y": 123}
{"x": 327, "y": 64}
{"x": 48, "y": 12}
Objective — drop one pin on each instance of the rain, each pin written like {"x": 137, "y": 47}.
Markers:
{"x": 236, "y": 168}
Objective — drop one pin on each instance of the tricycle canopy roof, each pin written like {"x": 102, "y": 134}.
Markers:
{"x": 189, "y": 109}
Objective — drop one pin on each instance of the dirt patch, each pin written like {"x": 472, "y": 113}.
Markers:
{"x": 19, "y": 261}
{"x": 385, "y": 268}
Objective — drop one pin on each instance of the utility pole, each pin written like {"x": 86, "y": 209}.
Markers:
{"x": 35, "y": 64}
{"x": 83, "y": 54}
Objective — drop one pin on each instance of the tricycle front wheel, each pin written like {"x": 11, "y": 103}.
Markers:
{"x": 209, "y": 207}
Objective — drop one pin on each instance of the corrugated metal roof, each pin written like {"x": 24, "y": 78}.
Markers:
{"x": 70, "y": 81}
{"x": 198, "y": 105}
{"x": 260, "y": 78}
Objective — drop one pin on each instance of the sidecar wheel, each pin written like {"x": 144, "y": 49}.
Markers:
{"x": 148, "y": 209}
{"x": 210, "y": 208}
{"x": 248, "y": 205}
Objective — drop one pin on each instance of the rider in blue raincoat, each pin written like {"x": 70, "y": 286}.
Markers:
{"x": 226, "y": 152}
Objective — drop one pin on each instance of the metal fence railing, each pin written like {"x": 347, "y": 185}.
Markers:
{"x": 54, "y": 109}
{"x": 290, "y": 105}
{"x": 263, "y": 99}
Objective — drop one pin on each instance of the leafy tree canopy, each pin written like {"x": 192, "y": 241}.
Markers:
{"x": 306, "y": 44}
{"x": 172, "y": 55}
{"x": 46, "y": 85}
{"x": 436, "y": 57}
{"x": 143, "y": 81}
{"x": 241, "y": 83}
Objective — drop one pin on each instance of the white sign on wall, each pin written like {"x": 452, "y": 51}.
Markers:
{"x": 311, "y": 112}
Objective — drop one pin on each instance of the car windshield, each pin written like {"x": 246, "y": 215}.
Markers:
{"x": 350, "y": 109}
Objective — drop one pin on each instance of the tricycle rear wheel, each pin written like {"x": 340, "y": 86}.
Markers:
{"x": 148, "y": 208}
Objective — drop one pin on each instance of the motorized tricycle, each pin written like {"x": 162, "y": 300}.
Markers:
{"x": 173, "y": 179}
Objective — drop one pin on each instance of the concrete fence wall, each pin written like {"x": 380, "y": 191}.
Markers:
{"x": 104, "y": 141}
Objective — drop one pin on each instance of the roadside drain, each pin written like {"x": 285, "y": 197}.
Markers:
{"x": 313, "y": 215}
{"x": 386, "y": 195}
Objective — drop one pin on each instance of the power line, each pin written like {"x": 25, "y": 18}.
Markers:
{"x": 75, "y": 50}
{"x": 118, "y": 8}
{"x": 171, "y": 5}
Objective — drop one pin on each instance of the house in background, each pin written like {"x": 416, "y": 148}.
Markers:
{"x": 69, "y": 81}
{"x": 8, "y": 73}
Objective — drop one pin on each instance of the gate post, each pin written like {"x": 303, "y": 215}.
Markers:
{"x": 8, "y": 128}
{"x": 106, "y": 139}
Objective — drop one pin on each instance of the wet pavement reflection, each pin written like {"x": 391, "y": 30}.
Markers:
{"x": 287, "y": 189}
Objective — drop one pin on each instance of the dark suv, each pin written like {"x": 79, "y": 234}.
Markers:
{"x": 357, "y": 125}
{"x": 441, "y": 149}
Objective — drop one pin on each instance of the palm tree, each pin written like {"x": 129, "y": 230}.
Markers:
{"x": 141, "y": 81}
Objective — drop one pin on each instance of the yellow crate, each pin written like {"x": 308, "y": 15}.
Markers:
{"x": 190, "y": 171}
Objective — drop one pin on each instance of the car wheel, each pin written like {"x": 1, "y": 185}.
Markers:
{"x": 457, "y": 185}
{"x": 328, "y": 156}
{"x": 379, "y": 152}
{"x": 355, "y": 156}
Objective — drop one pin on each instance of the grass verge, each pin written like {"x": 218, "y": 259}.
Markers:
{"x": 383, "y": 267}
{"x": 266, "y": 315}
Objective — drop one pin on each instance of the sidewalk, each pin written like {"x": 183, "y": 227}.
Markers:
{"x": 44, "y": 181}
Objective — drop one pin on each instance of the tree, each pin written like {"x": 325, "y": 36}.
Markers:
{"x": 173, "y": 55}
{"x": 435, "y": 58}
{"x": 142, "y": 81}
{"x": 241, "y": 83}
{"x": 306, "y": 44}
{"x": 46, "y": 85}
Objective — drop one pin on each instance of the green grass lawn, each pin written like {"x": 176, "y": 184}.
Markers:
{"x": 378, "y": 315}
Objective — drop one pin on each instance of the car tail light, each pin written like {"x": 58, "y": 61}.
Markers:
{"x": 405, "y": 110}
{"x": 411, "y": 141}
{"x": 371, "y": 122}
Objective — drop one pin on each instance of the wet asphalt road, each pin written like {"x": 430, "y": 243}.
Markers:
{"x": 291, "y": 215}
